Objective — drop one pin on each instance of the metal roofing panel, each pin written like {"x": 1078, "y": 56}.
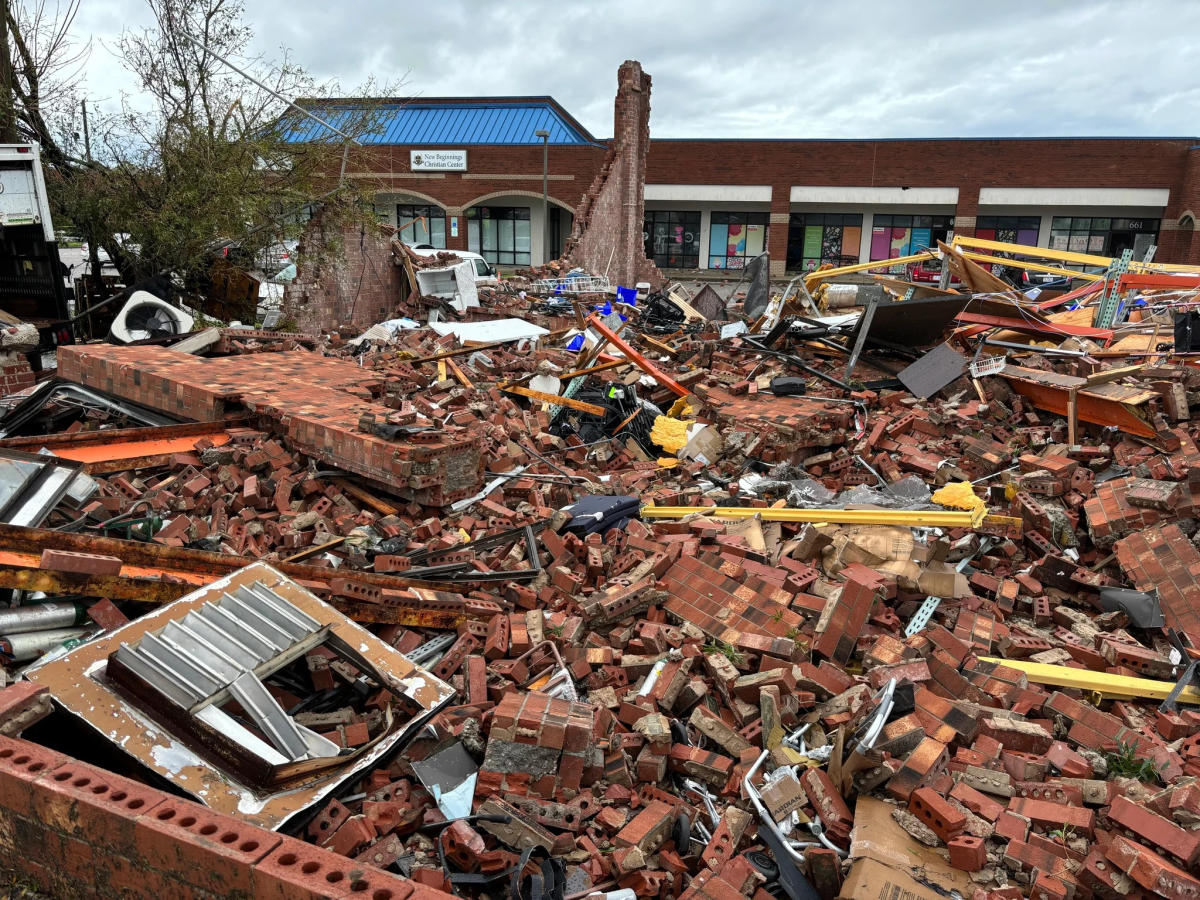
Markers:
{"x": 434, "y": 124}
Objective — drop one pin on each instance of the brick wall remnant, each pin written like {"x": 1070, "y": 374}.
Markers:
{"x": 606, "y": 238}
{"x": 345, "y": 276}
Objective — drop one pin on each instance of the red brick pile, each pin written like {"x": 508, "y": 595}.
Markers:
{"x": 616, "y": 700}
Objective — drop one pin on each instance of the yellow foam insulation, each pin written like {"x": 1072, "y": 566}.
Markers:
{"x": 670, "y": 434}
{"x": 958, "y": 495}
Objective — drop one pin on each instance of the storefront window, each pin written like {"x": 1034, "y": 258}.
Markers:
{"x": 1009, "y": 229}
{"x": 816, "y": 238}
{"x": 1103, "y": 236}
{"x": 893, "y": 236}
{"x": 735, "y": 237}
{"x": 672, "y": 238}
{"x": 500, "y": 234}
{"x": 419, "y": 224}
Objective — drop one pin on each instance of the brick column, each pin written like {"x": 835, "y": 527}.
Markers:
{"x": 460, "y": 242}
{"x": 777, "y": 244}
{"x": 966, "y": 211}
{"x": 777, "y": 236}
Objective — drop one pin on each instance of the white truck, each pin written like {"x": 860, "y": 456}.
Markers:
{"x": 458, "y": 283}
{"x": 31, "y": 274}
{"x": 485, "y": 272}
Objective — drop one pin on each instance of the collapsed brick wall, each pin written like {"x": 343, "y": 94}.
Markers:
{"x": 345, "y": 277}
{"x": 15, "y": 373}
{"x": 606, "y": 238}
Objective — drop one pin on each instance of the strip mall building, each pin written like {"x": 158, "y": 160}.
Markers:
{"x": 466, "y": 173}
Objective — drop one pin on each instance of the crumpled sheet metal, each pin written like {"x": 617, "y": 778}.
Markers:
{"x": 78, "y": 684}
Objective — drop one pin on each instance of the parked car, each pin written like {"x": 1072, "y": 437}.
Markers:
{"x": 929, "y": 271}
{"x": 101, "y": 253}
{"x": 1030, "y": 279}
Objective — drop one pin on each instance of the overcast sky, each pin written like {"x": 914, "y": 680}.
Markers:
{"x": 743, "y": 68}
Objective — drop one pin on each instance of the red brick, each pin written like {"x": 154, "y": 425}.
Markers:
{"x": 1151, "y": 871}
{"x": 932, "y": 809}
{"x": 1054, "y": 815}
{"x": 81, "y": 563}
{"x": 967, "y": 853}
{"x": 1162, "y": 833}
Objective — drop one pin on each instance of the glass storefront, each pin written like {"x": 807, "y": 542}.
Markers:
{"x": 421, "y": 224}
{"x": 1103, "y": 236}
{"x": 672, "y": 238}
{"x": 893, "y": 236}
{"x": 735, "y": 237}
{"x": 816, "y": 238}
{"x": 1009, "y": 229}
{"x": 500, "y": 234}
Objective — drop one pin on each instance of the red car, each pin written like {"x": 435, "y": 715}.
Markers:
{"x": 929, "y": 271}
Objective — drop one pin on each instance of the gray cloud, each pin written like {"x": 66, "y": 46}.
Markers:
{"x": 754, "y": 69}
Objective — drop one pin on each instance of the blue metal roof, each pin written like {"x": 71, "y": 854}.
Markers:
{"x": 458, "y": 124}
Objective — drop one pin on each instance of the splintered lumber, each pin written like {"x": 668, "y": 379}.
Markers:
{"x": 554, "y": 399}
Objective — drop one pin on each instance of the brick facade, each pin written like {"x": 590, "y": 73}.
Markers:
{"x": 503, "y": 173}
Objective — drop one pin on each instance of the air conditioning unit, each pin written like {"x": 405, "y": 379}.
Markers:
{"x": 145, "y": 316}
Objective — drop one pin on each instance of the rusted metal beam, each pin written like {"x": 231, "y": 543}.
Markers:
{"x": 153, "y": 573}
{"x": 116, "y": 587}
{"x": 410, "y": 616}
{"x": 1033, "y": 326}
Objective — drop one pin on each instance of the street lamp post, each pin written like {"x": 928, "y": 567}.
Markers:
{"x": 545, "y": 136}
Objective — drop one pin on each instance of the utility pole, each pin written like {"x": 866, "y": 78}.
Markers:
{"x": 93, "y": 250}
{"x": 545, "y": 136}
{"x": 8, "y": 108}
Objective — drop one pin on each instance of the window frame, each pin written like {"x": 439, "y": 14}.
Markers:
{"x": 503, "y": 221}
{"x": 435, "y": 224}
{"x": 829, "y": 223}
{"x": 939, "y": 225}
{"x": 749, "y": 220}
{"x": 671, "y": 218}
{"x": 1093, "y": 234}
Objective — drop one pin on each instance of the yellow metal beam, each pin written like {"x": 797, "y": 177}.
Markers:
{"x": 1068, "y": 256}
{"x": 1121, "y": 687}
{"x": 822, "y": 274}
{"x": 1028, "y": 264}
{"x": 926, "y": 518}
{"x": 1081, "y": 259}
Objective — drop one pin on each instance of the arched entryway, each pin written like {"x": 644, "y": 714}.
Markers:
{"x": 512, "y": 229}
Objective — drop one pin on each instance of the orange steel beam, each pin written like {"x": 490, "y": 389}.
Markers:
{"x": 124, "y": 449}
{"x": 1058, "y": 329}
{"x": 637, "y": 359}
{"x": 1078, "y": 294}
{"x": 1148, "y": 282}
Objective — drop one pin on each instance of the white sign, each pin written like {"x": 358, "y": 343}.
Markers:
{"x": 437, "y": 160}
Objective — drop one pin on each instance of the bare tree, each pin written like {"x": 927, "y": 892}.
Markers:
{"x": 46, "y": 65}
{"x": 200, "y": 156}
